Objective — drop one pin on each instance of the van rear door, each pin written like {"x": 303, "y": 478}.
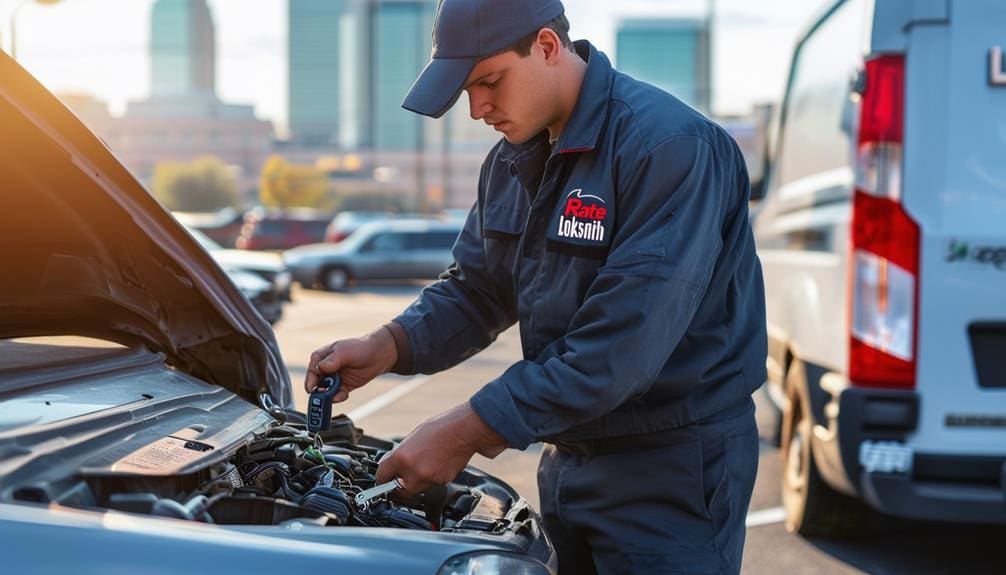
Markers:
{"x": 955, "y": 188}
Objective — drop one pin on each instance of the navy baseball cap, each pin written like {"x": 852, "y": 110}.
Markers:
{"x": 464, "y": 32}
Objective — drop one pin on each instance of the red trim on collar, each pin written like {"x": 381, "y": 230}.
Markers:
{"x": 574, "y": 150}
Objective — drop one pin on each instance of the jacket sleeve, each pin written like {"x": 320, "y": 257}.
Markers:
{"x": 673, "y": 205}
{"x": 459, "y": 315}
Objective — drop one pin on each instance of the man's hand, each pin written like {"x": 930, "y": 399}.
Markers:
{"x": 357, "y": 361}
{"x": 436, "y": 451}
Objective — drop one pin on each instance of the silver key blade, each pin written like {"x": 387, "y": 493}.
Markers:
{"x": 367, "y": 495}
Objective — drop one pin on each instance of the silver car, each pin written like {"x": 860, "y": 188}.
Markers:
{"x": 147, "y": 421}
{"x": 261, "y": 276}
{"x": 383, "y": 250}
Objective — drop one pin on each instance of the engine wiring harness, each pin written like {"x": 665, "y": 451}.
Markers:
{"x": 289, "y": 474}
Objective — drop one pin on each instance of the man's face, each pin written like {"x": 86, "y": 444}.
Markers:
{"x": 512, "y": 94}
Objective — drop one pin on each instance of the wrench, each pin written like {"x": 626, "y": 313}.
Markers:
{"x": 365, "y": 497}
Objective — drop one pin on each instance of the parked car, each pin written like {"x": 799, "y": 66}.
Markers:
{"x": 345, "y": 223}
{"x": 268, "y": 230}
{"x": 222, "y": 226}
{"x": 259, "y": 292}
{"x": 381, "y": 250}
{"x": 147, "y": 421}
{"x": 268, "y": 286}
{"x": 882, "y": 241}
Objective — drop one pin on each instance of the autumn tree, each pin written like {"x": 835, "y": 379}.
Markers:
{"x": 204, "y": 185}
{"x": 287, "y": 185}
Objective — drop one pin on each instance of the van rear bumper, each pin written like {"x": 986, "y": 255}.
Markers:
{"x": 905, "y": 496}
{"x": 940, "y": 487}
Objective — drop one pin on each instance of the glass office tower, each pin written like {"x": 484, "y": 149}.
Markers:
{"x": 401, "y": 45}
{"x": 183, "y": 48}
{"x": 672, "y": 54}
{"x": 315, "y": 36}
{"x": 350, "y": 64}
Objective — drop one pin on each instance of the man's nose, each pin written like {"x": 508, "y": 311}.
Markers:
{"x": 478, "y": 105}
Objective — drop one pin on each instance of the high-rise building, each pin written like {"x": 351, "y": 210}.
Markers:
{"x": 400, "y": 48}
{"x": 350, "y": 64}
{"x": 672, "y": 54}
{"x": 183, "y": 118}
{"x": 183, "y": 48}
{"x": 315, "y": 39}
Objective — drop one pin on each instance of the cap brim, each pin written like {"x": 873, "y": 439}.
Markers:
{"x": 438, "y": 86}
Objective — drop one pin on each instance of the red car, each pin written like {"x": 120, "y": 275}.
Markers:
{"x": 280, "y": 231}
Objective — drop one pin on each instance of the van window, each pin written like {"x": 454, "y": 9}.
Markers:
{"x": 815, "y": 139}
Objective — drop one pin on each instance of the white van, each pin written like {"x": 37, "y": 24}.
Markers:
{"x": 882, "y": 232}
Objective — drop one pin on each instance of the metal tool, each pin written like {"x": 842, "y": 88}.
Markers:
{"x": 319, "y": 406}
{"x": 367, "y": 496}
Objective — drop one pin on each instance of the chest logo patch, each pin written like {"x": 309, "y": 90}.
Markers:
{"x": 583, "y": 217}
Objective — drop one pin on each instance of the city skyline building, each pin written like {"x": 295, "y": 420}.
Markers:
{"x": 401, "y": 43}
{"x": 670, "y": 53}
{"x": 182, "y": 48}
{"x": 316, "y": 41}
{"x": 350, "y": 63}
{"x": 183, "y": 118}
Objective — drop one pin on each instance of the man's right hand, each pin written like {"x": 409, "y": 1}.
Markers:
{"x": 357, "y": 361}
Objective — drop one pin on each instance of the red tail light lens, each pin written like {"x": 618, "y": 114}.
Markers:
{"x": 885, "y": 241}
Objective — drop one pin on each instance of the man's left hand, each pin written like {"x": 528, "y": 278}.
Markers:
{"x": 436, "y": 451}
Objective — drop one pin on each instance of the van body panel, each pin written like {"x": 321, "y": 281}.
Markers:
{"x": 955, "y": 188}
{"x": 802, "y": 227}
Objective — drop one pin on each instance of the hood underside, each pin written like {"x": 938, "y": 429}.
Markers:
{"x": 87, "y": 251}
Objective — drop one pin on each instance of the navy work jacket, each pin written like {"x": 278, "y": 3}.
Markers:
{"x": 627, "y": 257}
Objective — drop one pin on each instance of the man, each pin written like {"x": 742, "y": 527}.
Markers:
{"x": 612, "y": 224}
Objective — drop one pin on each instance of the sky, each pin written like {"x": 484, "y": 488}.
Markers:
{"x": 100, "y": 47}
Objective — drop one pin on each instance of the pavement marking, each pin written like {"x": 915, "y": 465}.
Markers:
{"x": 387, "y": 398}
{"x": 766, "y": 517}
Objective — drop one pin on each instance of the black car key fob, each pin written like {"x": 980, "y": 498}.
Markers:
{"x": 319, "y": 406}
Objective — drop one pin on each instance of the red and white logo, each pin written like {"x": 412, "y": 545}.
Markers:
{"x": 583, "y": 217}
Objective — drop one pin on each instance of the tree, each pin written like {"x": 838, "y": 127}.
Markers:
{"x": 286, "y": 185}
{"x": 204, "y": 185}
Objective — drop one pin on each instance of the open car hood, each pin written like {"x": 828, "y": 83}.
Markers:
{"x": 86, "y": 250}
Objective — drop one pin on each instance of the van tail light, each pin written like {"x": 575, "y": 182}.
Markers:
{"x": 883, "y": 323}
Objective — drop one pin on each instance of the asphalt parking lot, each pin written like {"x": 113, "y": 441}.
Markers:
{"x": 392, "y": 406}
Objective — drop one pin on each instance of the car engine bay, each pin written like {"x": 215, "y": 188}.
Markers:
{"x": 114, "y": 431}
{"x": 288, "y": 475}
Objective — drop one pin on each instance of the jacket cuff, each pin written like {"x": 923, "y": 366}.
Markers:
{"x": 404, "y": 364}
{"x": 495, "y": 406}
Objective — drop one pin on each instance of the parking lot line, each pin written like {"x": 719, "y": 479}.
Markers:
{"x": 766, "y": 517}
{"x": 387, "y": 398}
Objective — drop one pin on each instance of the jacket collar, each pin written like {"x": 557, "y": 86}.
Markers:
{"x": 591, "y": 111}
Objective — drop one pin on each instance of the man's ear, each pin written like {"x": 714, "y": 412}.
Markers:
{"x": 550, "y": 44}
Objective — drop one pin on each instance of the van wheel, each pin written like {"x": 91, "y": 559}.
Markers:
{"x": 812, "y": 507}
{"x": 335, "y": 279}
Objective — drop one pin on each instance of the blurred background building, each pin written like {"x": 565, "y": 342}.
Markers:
{"x": 183, "y": 119}
{"x": 348, "y": 65}
{"x": 672, "y": 54}
{"x": 319, "y": 39}
{"x": 183, "y": 49}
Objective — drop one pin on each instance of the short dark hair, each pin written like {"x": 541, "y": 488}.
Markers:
{"x": 559, "y": 25}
